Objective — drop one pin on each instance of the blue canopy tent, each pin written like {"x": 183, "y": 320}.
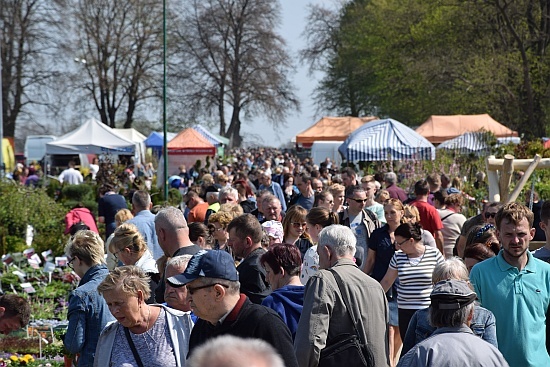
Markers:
{"x": 469, "y": 142}
{"x": 387, "y": 139}
{"x": 155, "y": 141}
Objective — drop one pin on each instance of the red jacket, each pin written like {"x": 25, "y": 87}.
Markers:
{"x": 77, "y": 215}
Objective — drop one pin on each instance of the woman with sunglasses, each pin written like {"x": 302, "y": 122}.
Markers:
{"x": 129, "y": 247}
{"x": 295, "y": 229}
{"x": 414, "y": 264}
{"x": 88, "y": 312}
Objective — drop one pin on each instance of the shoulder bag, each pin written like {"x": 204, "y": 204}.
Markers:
{"x": 346, "y": 349}
{"x": 133, "y": 347}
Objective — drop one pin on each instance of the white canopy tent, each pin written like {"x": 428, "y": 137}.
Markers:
{"x": 137, "y": 137}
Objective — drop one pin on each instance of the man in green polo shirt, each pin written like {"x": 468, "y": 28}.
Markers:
{"x": 515, "y": 286}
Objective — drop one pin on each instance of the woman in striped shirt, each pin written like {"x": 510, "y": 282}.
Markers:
{"x": 414, "y": 264}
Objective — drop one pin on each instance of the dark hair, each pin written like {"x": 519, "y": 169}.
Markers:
{"x": 349, "y": 171}
{"x": 322, "y": 217}
{"x": 409, "y": 230}
{"x": 545, "y": 211}
{"x": 440, "y": 196}
{"x": 247, "y": 225}
{"x": 351, "y": 189}
{"x": 15, "y": 305}
{"x": 196, "y": 230}
{"x": 320, "y": 196}
{"x": 284, "y": 256}
{"x": 482, "y": 233}
{"x": 421, "y": 188}
{"x": 478, "y": 251}
{"x": 305, "y": 177}
{"x": 80, "y": 226}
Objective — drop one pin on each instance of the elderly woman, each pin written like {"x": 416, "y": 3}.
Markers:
{"x": 143, "y": 335}
{"x": 130, "y": 248}
{"x": 295, "y": 229}
{"x": 88, "y": 313}
{"x": 282, "y": 264}
{"x": 217, "y": 224}
{"x": 483, "y": 322}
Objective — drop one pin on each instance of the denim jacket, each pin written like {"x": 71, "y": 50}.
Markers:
{"x": 88, "y": 314}
{"x": 483, "y": 325}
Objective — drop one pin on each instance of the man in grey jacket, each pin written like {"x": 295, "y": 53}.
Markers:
{"x": 325, "y": 315}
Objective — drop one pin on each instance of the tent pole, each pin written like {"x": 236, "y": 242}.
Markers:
{"x": 165, "y": 178}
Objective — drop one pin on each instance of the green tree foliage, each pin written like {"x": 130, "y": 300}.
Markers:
{"x": 21, "y": 206}
{"x": 416, "y": 58}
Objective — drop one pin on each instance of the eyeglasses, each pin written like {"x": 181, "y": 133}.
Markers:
{"x": 115, "y": 254}
{"x": 192, "y": 290}
{"x": 299, "y": 225}
{"x": 395, "y": 243}
{"x": 70, "y": 263}
{"x": 358, "y": 201}
{"x": 490, "y": 215}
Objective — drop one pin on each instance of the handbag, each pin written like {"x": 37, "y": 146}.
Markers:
{"x": 346, "y": 349}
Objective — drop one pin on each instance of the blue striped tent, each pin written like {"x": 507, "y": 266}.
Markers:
{"x": 208, "y": 135}
{"x": 387, "y": 139}
{"x": 469, "y": 142}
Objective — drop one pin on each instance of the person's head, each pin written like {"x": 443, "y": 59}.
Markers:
{"x": 545, "y": 219}
{"x": 393, "y": 212}
{"x": 454, "y": 201}
{"x": 484, "y": 234}
{"x": 369, "y": 185}
{"x": 127, "y": 244}
{"x": 421, "y": 188}
{"x": 141, "y": 200}
{"x": 274, "y": 231}
{"x": 245, "y": 235}
{"x": 243, "y": 188}
{"x": 125, "y": 290}
{"x": 475, "y": 253}
{"x": 490, "y": 212}
{"x": 356, "y": 198}
{"x": 335, "y": 242}
{"x": 212, "y": 194}
{"x": 382, "y": 196}
{"x": 192, "y": 199}
{"x": 339, "y": 195}
{"x": 172, "y": 230}
{"x": 324, "y": 199}
{"x": 514, "y": 222}
{"x": 445, "y": 181}
{"x": 452, "y": 304}
{"x": 317, "y": 185}
{"x": 85, "y": 250}
{"x": 349, "y": 177}
{"x": 390, "y": 178}
{"x": 407, "y": 236}
{"x": 452, "y": 268}
{"x": 303, "y": 183}
{"x": 212, "y": 283}
{"x": 265, "y": 178}
{"x": 176, "y": 297}
{"x": 122, "y": 216}
{"x": 434, "y": 182}
{"x": 411, "y": 214}
{"x": 15, "y": 312}
{"x": 217, "y": 224}
{"x": 288, "y": 180}
{"x": 294, "y": 222}
{"x": 233, "y": 351}
{"x": 71, "y": 164}
{"x": 272, "y": 208}
{"x": 198, "y": 234}
{"x": 439, "y": 198}
{"x": 229, "y": 195}
{"x": 281, "y": 262}
{"x": 317, "y": 219}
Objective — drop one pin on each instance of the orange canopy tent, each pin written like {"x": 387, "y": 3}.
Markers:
{"x": 331, "y": 129}
{"x": 438, "y": 129}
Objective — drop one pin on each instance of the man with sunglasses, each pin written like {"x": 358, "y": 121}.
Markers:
{"x": 361, "y": 221}
{"x": 212, "y": 283}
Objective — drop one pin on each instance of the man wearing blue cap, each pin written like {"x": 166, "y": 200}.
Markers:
{"x": 212, "y": 283}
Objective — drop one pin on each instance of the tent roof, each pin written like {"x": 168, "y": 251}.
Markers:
{"x": 213, "y": 139}
{"x": 437, "y": 129}
{"x": 190, "y": 141}
{"x": 92, "y": 137}
{"x": 332, "y": 128}
{"x": 469, "y": 142}
{"x": 156, "y": 139}
{"x": 131, "y": 134}
{"x": 381, "y": 140}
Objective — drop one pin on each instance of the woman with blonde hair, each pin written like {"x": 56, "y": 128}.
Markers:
{"x": 123, "y": 215}
{"x": 339, "y": 195}
{"x": 217, "y": 224}
{"x": 295, "y": 229}
{"x": 143, "y": 335}
{"x": 411, "y": 215}
{"x": 129, "y": 247}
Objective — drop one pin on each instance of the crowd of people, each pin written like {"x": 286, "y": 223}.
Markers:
{"x": 273, "y": 261}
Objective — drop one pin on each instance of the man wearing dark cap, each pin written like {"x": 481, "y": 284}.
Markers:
{"x": 212, "y": 283}
{"x": 453, "y": 343}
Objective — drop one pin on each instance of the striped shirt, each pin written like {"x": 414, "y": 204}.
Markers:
{"x": 415, "y": 278}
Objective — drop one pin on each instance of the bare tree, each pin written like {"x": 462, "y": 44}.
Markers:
{"x": 25, "y": 42}
{"x": 121, "y": 43}
{"x": 231, "y": 56}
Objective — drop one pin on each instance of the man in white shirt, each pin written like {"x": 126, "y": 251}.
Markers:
{"x": 71, "y": 175}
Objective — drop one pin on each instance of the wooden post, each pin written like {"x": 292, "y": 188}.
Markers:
{"x": 492, "y": 178}
{"x": 514, "y": 195}
{"x": 506, "y": 177}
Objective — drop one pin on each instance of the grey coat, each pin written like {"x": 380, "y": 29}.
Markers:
{"x": 325, "y": 316}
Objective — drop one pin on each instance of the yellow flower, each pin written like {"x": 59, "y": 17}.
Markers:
{"x": 14, "y": 358}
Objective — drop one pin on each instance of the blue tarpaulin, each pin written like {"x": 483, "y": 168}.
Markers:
{"x": 386, "y": 139}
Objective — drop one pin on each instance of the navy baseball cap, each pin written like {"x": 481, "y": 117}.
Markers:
{"x": 207, "y": 264}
